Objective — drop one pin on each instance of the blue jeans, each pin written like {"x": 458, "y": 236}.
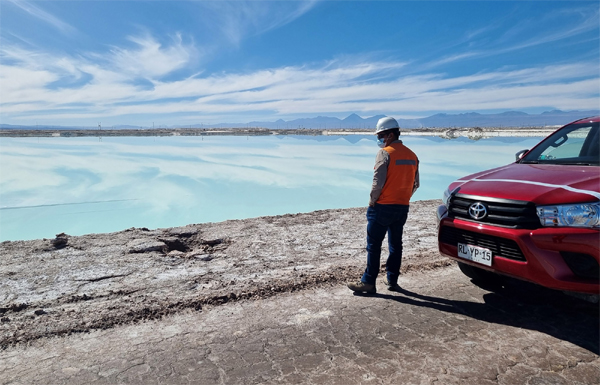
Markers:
{"x": 383, "y": 219}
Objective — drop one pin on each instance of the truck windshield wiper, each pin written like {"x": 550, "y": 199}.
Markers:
{"x": 578, "y": 164}
{"x": 529, "y": 162}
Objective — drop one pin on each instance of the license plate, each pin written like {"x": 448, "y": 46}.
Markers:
{"x": 475, "y": 254}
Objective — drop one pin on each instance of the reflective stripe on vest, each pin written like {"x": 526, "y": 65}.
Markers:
{"x": 400, "y": 162}
{"x": 400, "y": 179}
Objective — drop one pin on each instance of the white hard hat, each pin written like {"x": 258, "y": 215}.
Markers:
{"x": 384, "y": 124}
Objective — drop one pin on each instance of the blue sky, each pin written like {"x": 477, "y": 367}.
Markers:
{"x": 191, "y": 62}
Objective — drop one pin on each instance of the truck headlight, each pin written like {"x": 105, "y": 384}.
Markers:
{"x": 579, "y": 215}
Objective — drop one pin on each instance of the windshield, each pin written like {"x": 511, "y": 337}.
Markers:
{"x": 575, "y": 144}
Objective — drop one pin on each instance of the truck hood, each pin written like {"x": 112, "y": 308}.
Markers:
{"x": 542, "y": 184}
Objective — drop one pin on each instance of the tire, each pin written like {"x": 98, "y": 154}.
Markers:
{"x": 481, "y": 277}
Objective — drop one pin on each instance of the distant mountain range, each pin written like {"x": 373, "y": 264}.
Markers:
{"x": 353, "y": 121}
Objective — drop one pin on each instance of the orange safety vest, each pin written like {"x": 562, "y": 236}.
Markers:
{"x": 400, "y": 179}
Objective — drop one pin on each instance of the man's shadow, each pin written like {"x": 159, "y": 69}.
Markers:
{"x": 523, "y": 305}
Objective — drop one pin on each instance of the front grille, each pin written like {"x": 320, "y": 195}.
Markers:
{"x": 501, "y": 247}
{"x": 500, "y": 212}
{"x": 582, "y": 265}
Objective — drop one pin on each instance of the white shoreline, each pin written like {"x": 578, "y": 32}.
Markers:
{"x": 466, "y": 132}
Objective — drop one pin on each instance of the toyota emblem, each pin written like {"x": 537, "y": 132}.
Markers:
{"x": 478, "y": 211}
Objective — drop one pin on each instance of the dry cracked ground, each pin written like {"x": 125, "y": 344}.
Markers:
{"x": 263, "y": 300}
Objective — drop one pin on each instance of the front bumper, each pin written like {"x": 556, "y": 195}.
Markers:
{"x": 544, "y": 256}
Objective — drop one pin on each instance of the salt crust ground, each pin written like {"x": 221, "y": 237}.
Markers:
{"x": 263, "y": 301}
{"x": 54, "y": 287}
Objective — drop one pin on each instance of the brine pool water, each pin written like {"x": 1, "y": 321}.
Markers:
{"x": 87, "y": 185}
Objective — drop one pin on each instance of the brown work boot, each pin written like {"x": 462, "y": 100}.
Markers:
{"x": 361, "y": 287}
{"x": 392, "y": 286}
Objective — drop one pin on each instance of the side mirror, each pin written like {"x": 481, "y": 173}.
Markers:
{"x": 520, "y": 154}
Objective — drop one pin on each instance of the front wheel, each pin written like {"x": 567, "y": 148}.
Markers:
{"x": 480, "y": 276}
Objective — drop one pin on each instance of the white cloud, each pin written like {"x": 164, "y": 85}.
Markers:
{"x": 15, "y": 82}
{"x": 44, "y": 16}
{"x": 145, "y": 80}
{"x": 239, "y": 19}
{"x": 151, "y": 59}
{"x": 525, "y": 34}
{"x": 35, "y": 86}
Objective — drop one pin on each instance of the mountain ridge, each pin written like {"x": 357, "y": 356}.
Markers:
{"x": 354, "y": 121}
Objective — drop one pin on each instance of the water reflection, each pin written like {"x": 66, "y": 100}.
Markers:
{"x": 83, "y": 185}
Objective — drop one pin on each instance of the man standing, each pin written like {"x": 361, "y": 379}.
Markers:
{"x": 395, "y": 180}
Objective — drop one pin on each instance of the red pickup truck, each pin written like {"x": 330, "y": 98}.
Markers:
{"x": 537, "y": 219}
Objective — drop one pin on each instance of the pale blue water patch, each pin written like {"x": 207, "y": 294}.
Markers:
{"x": 91, "y": 185}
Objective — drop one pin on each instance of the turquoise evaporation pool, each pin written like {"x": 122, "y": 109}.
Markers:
{"x": 92, "y": 185}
